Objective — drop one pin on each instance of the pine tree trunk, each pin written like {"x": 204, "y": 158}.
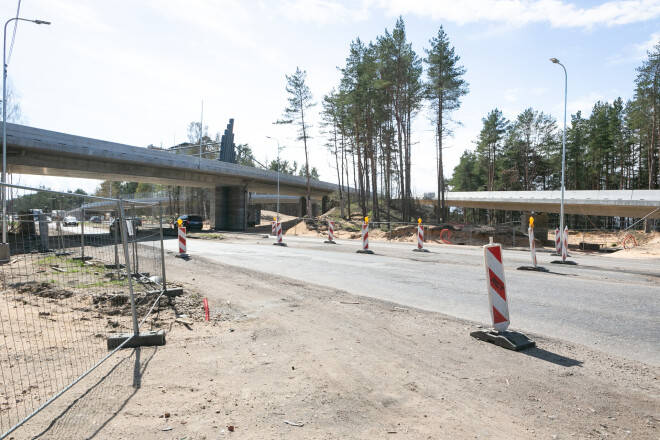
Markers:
{"x": 441, "y": 179}
{"x": 654, "y": 129}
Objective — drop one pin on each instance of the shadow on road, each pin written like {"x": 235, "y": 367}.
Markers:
{"x": 554, "y": 358}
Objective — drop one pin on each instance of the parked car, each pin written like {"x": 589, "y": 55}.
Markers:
{"x": 70, "y": 221}
{"x": 135, "y": 220}
{"x": 191, "y": 221}
{"x": 96, "y": 219}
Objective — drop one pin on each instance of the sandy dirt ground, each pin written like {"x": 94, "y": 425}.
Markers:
{"x": 280, "y": 359}
{"x": 637, "y": 244}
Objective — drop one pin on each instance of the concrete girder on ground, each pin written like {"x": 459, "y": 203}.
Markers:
{"x": 614, "y": 203}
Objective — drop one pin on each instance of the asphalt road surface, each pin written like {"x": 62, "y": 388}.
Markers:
{"x": 611, "y": 304}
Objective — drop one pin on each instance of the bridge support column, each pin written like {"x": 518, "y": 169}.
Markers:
{"x": 325, "y": 204}
{"x": 302, "y": 212}
{"x": 229, "y": 208}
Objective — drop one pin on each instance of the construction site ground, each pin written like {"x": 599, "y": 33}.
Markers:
{"x": 281, "y": 359}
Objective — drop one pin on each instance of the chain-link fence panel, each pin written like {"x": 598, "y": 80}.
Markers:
{"x": 67, "y": 287}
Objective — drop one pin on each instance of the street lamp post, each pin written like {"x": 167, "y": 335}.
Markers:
{"x": 277, "y": 219}
{"x": 4, "y": 131}
{"x": 563, "y": 153}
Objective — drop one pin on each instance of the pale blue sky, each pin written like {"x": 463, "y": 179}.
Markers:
{"x": 136, "y": 72}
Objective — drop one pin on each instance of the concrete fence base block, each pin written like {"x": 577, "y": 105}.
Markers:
{"x": 85, "y": 258}
{"x": 177, "y": 291}
{"x": 363, "y": 251}
{"x": 421, "y": 250}
{"x": 114, "y": 266}
{"x": 147, "y": 339}
{"x": 570, "y": 263}
{"x": 510, "y": 340}
{"x": 4, "y": 252}
{"x": 534, "y": 268}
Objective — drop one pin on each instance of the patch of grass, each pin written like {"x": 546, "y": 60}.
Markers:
{"x": 52, "y": 259}
{"x": 102, "y": 283}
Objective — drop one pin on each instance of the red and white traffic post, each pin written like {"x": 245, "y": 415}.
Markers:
{"x": 331, "y": 232}
{"x": 273, "y": 227}
{"x": 496, "y": 286}
{"x": 532, "y": 249}
{"x": 532, "y": 245}
{"x": 182, "y": 241}
{"x": 420, "y": 237}
{"x": 563, "y": 251}
{"x": 557, "y": 241}
{"x": 365, "y": 238}
{"x": 498, "y": 303}
{"x": 278, "y": 228}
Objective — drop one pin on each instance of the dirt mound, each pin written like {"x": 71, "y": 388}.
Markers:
{"x": 44, "y": 290}
{"x": 648, "y": 246}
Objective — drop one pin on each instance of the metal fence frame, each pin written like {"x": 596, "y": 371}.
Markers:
{"x": 133, "y": 338}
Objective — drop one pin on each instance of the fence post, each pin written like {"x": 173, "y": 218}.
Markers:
{"x": 162, "y": 248}
{"x": 124, "y": 237}
{"x": 82, "y": 234}
{"x": 116, "y": 234}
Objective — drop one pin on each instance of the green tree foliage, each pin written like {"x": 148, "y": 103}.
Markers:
{"x": 143, "y": 188}
{"x": 46, "y": 201}
{"x": 284, "y": 167}
{"x": 314, "y": 174}
{"x": 616, "y": 147}
{"x": 244, "y": 155}
{"x": 445, "y": 88}
{"x": 490, "y": 144}
{"x": 467, "y": 174}
{"x": 300, "y": 101}
{"x": 533, "y": 139}
{"x": 335, "y": 141}
{"x": 369, "y": 119}
{"x": 646, "y": 117}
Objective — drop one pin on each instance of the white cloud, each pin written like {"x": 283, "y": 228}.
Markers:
{"x": 229, "y": 19}
{"x": 77, "y": 14}
{"x": 511, "y": 95}
{"x": 635, "y": 52}
{"x": 321, "y": 11}
{"x": 647, "y": 46}
{"x": 520, "y": 12}
{"x": 583, "y": 103}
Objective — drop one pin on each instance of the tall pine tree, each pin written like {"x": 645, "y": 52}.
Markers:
{"x": 444, "y": 90}
{"x": 300, "y": 100}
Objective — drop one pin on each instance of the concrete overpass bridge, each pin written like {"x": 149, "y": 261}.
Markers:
{"x": 48, "y": 153}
